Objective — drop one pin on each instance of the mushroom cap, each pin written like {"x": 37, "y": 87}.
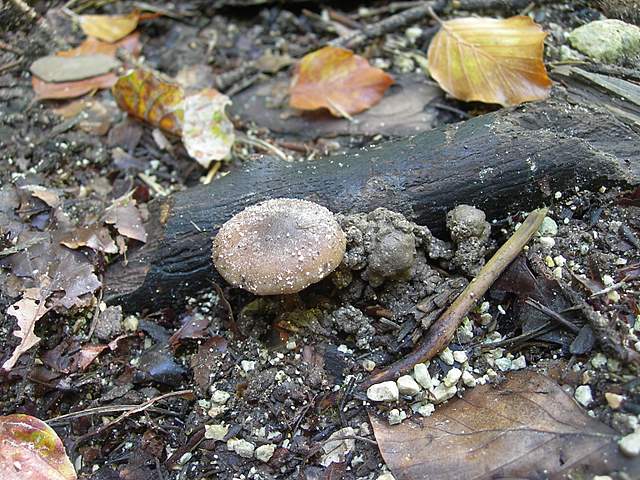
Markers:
{"x": 279, "y": 246}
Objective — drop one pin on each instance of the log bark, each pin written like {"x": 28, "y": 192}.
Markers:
{"x": 501, "y": 162}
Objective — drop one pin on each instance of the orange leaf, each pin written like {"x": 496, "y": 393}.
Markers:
{"x": 337, "y": 79}
{"x": 109, "y": 28}
{"x": 31, "y": 449}
{"x": 51, "y": 90}
{"x": 91, "y": 45}
{"x": 149, "y": 98}
{"x": 490, "y": 60}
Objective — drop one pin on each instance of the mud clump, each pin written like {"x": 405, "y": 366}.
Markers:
{"x": 470, "y": 231}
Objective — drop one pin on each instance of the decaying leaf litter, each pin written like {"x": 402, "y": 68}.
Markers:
{"x": 262, "y": 387}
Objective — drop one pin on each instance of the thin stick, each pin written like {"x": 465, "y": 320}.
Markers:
{"x": 443, "y": 330}
{"x": 551, "y": 314}
{"x": 140, "y": 408}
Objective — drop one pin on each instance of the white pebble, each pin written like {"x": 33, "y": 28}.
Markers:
{"x": 383, "y": 392}
{"x": 407, "y": 385}
{"x": 453, "y": 375}
{"x": 265, "y": 452}
{"x": 583, "y": 395}
{"x": 468, "y": 379}
{"x": 447, "y": 356}
{"x": 630, "y": 444}
{"x": 422, "y": 376}
{"x": 396, "y": 416}
{"x": 519, "y": 363}
{"x": 460, "y": 356}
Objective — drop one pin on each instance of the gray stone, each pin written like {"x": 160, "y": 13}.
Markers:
{"x": 610, "y": 41}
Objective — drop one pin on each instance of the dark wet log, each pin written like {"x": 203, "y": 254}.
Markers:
{"x": 501, "y": 162}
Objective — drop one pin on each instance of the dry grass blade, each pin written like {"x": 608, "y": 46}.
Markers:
{"x": 490, "y": 60}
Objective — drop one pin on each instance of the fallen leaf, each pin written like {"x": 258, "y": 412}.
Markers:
{"x": 69, "y": 69}
{"x": 193, "y": 326}
{"x": 337, "y": 79}
{"x": 31, "y": 449}
{"x": 207, "y": 133}
{"x": 127, "y": 220}
{"x": 406, "y": 109}
{"x": 143, "y": 95}
{"x": 490, "y": 60}
{"x": 28, "y": 310}
{"x": 91, "y": 45}
{"x": 48, "y": 196}
{"x": 51, "y": 90}
{"x": 526, "y": 427}
{"x": 93, "y": 236}
{"x": 109, "y": 28}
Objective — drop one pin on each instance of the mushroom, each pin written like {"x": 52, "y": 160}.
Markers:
{"x": 279, "y": 246}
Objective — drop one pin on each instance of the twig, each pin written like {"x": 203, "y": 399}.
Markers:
{"x": 443, "y": 330}
{"x": 211, "y": 173}
{"x": 257, "y": 142}
{"x": 389, "y": 24}
{"x": 552, "y": 315}
{"x": 128, "y": 413}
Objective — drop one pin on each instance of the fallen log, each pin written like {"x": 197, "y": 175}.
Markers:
{"x": 500, "y": 162}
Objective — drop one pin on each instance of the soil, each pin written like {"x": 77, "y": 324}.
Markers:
{"x": 282, "y": 372}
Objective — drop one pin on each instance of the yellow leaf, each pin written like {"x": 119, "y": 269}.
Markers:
{"x": 490, "y": 60}
{"x": 152, "y": 99}
{"x": 337, "y": 79}
{"x": 109, "y": 28}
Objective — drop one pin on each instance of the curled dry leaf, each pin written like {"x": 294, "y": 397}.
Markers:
{"x": 490, "y": 60}
{"x": 526, "y": 427}
{"x": 51, "y": 90}
{"x": 141, "y": 94}
{"x": 94, "y": 236}
{"x": 207, "y": 133}
{"x": 109, "y": 28}
{"x": 31, "y": 449}
{"x": 127, "y": 220}
{"x": 28, "y": 310}
{"x": 131, "y": 43}
{"x": 337, "y": 79}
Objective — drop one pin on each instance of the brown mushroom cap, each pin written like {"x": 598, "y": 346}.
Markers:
{"x": 279, "y": 246}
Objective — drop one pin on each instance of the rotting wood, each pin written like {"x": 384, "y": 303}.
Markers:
{"x": 501, "y": 162}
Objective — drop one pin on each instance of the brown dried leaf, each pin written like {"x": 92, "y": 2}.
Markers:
{"x": 48, "y": 196}
{"x": 51, "y": 90}
{"x": 31, "y": 449}
{"x": 490, "y": 60}
{"x": 93, "y": 236}
{"x": 526, "y": 427}
{"x": 193, "y": 326}
{"x": 127, "y": 220}
{"x": 337, "y": 79}
{"x": 28, "y": 310}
